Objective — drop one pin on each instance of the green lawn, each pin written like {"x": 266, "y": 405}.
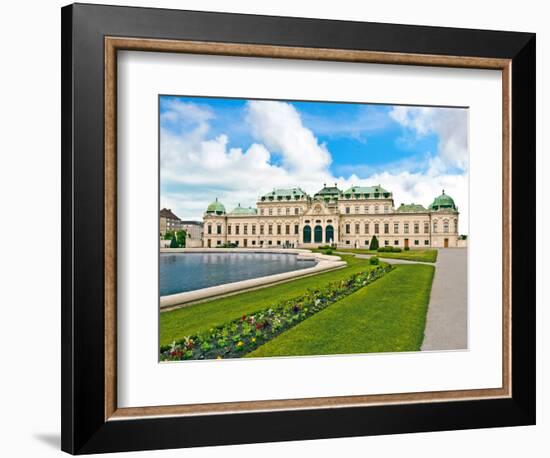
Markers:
{"x": 389, "y": 315}
{"x": 411, "y": 255}
{"x": 176, "y": 324}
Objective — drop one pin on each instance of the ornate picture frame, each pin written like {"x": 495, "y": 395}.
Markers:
{"x": 92, "y": 35}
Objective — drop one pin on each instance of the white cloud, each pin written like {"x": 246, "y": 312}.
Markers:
{"x": 196, "y": 168}
{"x": 451, "y": 126}
{"x": 278, "y": 125}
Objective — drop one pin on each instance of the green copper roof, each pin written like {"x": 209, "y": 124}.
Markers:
{"x": 367, "y": 191}
{"x": 328, "y": 192}
{"x": 284, "y": 194}
{"x": 216, "y": 207}
{"x": 411, "y": 208}
{"x": 243, "y": 211}
{"x": 443, "y": 202}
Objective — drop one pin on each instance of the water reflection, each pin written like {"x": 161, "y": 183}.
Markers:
{"x": 181, "y": 272}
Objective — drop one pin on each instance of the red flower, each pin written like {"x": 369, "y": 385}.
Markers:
{"x": 259, "y": 326}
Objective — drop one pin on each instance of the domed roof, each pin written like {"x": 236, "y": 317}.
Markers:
{"x": 243, "y": 211}
{"x": 216, "y": 207}
{"x": 443, "y": 202}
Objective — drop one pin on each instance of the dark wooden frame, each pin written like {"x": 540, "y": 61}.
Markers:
{"x": 91, "y": 35}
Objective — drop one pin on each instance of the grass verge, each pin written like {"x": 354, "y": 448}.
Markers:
{"x": 387, "y": 316}
{"x": 411, "y": 255}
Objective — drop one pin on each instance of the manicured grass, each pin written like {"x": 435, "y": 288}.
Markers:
{"x": 387, "y": 316}
{"x": 411, "y": 255}
{"x": 177, "y": 324}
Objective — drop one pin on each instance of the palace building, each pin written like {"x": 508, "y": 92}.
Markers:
{"x": 350, "y": 218}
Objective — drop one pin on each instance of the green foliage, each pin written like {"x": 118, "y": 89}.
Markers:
{"x": 419, "y": 255}
{"x": 328, "y": 251}
{"x": 180, "y": 238}
{"x": 174, "y": 243}
{"x": 169, "y": 235}
{"x": 374, "y": 243}
{"x": 407, "y": 248}
{"x": 374, "y": 261}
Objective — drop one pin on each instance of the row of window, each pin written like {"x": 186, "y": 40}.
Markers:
{"x": 270, "y": 227}
{"x": 396, "y": 227}
{"x": 287, "y": 211}
{"x": 286, "y": 243}
{"x": 395, "y": 242}
{"x": 367, "y": 209}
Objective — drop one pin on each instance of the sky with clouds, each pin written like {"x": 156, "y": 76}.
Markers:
{"x": 237, "y": 150}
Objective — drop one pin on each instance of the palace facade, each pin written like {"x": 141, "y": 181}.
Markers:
{"x": 350, "y": 218}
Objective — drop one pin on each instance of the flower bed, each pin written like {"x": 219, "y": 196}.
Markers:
{"x": 241, "y": 336}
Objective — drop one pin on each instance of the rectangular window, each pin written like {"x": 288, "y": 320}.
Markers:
{"x": 261, "y": 229}
{"x": 386, "y": 242}
{"x": 376, "y": 209}
{"x": 296, "y": 229}
{"x": 278, "y": 211}
{"x": 348, "y": 229}
{"x": 261, "y": 211}
{"x": 253, "y": 229}
{"x": 366, "y": 242}
{"x": 218, "y": 229}
{"x": 229, "y": 229}
{"x": 270, "y": 229}
{"x": 386, "y": 228}
{"x": 347, "y": 210}
{"x": 406, "y": 228}
{"x": 296, "y": 211}
{"x": 357, "y": 228}
{"x": 416, "y": 228}
{"x": 245, "y": 229}
{"x": 445, "y": 226}
{"x": 386, "y": 209}
{"x": 219, "y": 242}
{"x": 366, "y": 208}
{"x": 426, "y": 242}
{"x": 435, "y": 226}
{"x": 287, "y": 229}
{"x": 366, "y": 228}
{"x": 396, "y": 228}
{"x": 396, "y": 242}
{"x": 426, "y": 227}
{"x": 209, "y": 229}
{"x": 357, "y": 209}
{"x": 416, "y": 242}
{"x": 278, "y": 229}
{"x": 376, "y": 228}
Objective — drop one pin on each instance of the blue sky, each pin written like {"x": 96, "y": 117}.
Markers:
{"x": 238, "y": 149}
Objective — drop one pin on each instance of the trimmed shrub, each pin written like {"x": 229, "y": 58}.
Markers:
{"x": 327, "y": 251}
{"x": 396, "y": 249}
{"x": 407, "y": 248}
{"x": 174, "y": 243}
{"x": 374, "y": 243}
{"x": 374, "y": 261}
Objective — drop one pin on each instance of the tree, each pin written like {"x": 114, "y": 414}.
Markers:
{"x": 174, "y": 243}
{"x": 168, "y": 235}
{"x": 374, "y": 243}
{"x": 180, "y": 238}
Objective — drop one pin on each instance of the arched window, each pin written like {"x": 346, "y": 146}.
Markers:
{"x": 329, "y": 234}
{"x": 307, "y": 234}
{"x": 318, "y": 234}
{"x": 435, "y": 226}
{"x": 446, "y": 225}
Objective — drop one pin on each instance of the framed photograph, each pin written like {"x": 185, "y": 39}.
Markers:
{"x": 284, "y": 228}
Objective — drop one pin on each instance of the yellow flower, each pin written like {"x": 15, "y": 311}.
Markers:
{"x": 253, "y": 339}
{"x": 218, "y": 357}
{"x": 240, "y": 343}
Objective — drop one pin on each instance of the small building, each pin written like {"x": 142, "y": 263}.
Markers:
{"x": 169, "y": 222}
